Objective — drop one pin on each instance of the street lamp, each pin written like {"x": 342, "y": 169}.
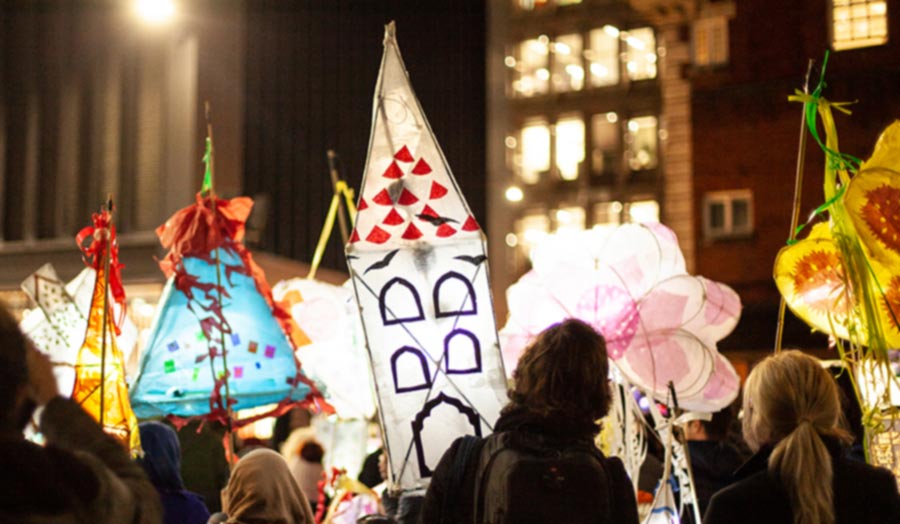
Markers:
{"x": 155, "y": 12}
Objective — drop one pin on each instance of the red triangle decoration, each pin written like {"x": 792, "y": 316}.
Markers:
{"x": 445, "y": 230}
{"x": 427, "y": 211}
{"x": 403, "y": 155}
{"x": 383, "y": 198}
{"x": 407, "y": 198}
{"x": 393, "y": 218}
{"x": 422, "y": 168}
{"x": 412, "y": 232}
{"x": 354, "y": 237}
{"x": 437, "y": 191}
{"x": 378, "y": 236}
{"x": 393, "y": 171}
{"x": 471, "y": 224}
{"x": 362, "y": 204}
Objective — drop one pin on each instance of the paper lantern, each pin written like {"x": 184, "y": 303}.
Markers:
{"x": 336, "y": 355}
{"x": 57, "y": 325}
{"x": 661, "y": 325}
{"x": 418, "y": 263}
{"x": 217, "y": 330}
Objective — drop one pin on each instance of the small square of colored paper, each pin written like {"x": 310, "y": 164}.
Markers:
{"x": 196, "y": 374}
{"x": 238, "y": 371}
{"x": 170, "y": 366}
{"x": 235, "y": 339}
{"x": 270, "y": 351}
{"x": 201, "y": 335}
{"x": 258, "y": 365}
{"x": 173, "y": 346}
{"x": 252, "y": 347}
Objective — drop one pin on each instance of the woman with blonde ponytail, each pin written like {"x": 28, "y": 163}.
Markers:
{"x": 799, "y": 474}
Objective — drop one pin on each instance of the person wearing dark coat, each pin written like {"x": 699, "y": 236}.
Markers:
{"x": 162, "y": 463}
{"x": 799, "y": 474}
{"x": 714, "y": 459}
{"x": 82, "y": 475}
{"x": 561, "y": 389}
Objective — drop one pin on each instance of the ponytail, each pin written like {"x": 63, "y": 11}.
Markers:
{"x": 791, "y": 402}
{"x": 799, "y": 457}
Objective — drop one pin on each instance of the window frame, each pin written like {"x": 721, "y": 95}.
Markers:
{"x": 727, "y": 199}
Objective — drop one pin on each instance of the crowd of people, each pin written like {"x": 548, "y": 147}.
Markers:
{"x": 540, "y": 465}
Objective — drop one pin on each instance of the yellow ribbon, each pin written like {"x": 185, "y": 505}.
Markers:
{"x": 340, "y": 190}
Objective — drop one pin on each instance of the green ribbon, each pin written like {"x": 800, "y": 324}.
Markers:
{"x": 207, "y": 176}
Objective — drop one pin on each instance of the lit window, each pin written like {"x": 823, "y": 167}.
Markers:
{"x": 727, "y": 214}
{"x": 643, "y": 211}
{"x": 640, "y": 53}
{"x": 569, "y": 219}
{"x": 605, "y": 144}
{"x": 603, "y": 56}
{"x": 569, "y": 146}
{"x": 607, "y": 214}
{"x": 641, "y": 139}
{"x": 533, "y": 155}
{"x": 711, "y": 41}
{"x": 858, "y": 23}
{"x": 568, "y": 73}
{"x": 530, "y": 5}
{"x": 530, "y": 74}
{"x": 531, "y": 229}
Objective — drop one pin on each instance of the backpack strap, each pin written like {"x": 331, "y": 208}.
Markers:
{"x": 464, "y": 452}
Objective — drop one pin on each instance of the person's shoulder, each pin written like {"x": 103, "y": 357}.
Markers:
{"x": 747, "y": 500}
{"x": 863, "y": 477}
{"x": 48, "y": 477}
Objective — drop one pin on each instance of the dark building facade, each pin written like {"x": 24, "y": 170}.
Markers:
{"x": 95, "y": 100}
{"x": 746, "y": 133}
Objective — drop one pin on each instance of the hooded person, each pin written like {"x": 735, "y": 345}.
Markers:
{"x": 162, "y": 463}
{"x": 263, "y": 491}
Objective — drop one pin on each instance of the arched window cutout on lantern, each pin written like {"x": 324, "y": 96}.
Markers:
{"x": 399, "y": 302}
{"x": 462, "y": 353}
{"x": 441, "y": 411}
{"x": 454, "y": 296}
{"x": 410, "y": 370}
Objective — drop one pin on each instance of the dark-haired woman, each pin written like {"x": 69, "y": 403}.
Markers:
{"x": 561, "y": 389}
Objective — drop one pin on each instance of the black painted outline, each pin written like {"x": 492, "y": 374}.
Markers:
{"x": 458, "y": 312}
{"x": 382, "y": 302}
{"x": 418, "y": 425}
{"x": 476, "y": 345}
{"x": 422, "y": 361}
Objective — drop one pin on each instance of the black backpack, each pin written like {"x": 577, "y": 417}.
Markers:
{"x": 523, "y": 478}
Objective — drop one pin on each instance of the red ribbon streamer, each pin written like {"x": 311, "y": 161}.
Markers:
{"x": 92, "y": 252}
{"x": 196, "y": 231}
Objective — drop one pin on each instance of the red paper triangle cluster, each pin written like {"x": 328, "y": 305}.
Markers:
{"x": 354, "y": 237}
{"x": 362, "y": 204}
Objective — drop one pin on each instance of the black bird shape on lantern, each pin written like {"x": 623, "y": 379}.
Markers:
{"x": 474, "y": 260}
{"x": 383, "y": 263}
{"x": 435, "y": 220}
